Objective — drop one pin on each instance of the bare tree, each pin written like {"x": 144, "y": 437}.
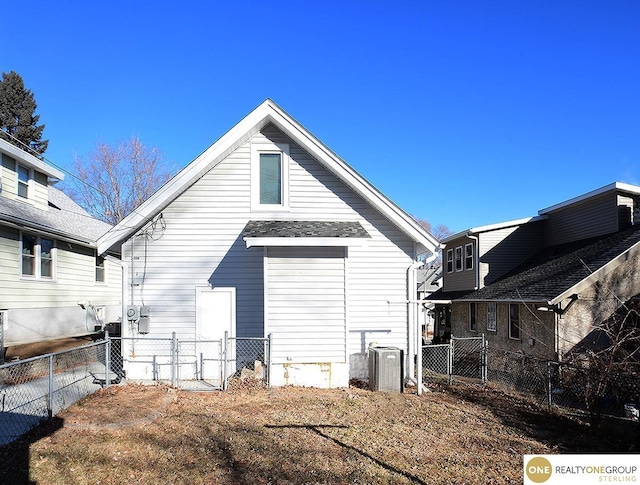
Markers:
{"x": 115, "y": 180}
{"x": 607, "y": 368}
{"x": 439, "y": 231}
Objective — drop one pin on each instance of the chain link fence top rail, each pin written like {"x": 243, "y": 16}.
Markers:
{"x": 38, "y": 388}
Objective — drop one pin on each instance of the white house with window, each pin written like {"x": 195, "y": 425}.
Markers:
{"x": 269, "y": 232}
{"x": 48, "y": 259}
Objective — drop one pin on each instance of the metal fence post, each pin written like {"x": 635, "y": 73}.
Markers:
{"x": 549, "y": 386}
{"x": 485, "y": 359}
{"x": 107, "y": 358}
{"x": 174, "y": 360}
{"x": 419, "y": 364}
{"x": 225, "y": 353}
{"x": 50, "y": 397}
{"x": 450, "y": 361}
{"x": 268, "y": 359}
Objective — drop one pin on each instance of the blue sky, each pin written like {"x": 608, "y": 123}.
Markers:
{"x": 464, "y": 113}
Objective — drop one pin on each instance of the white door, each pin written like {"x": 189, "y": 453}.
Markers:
{"x": 215, "y": 314}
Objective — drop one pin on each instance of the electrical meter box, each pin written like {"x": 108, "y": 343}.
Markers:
{"x": 386, "y": 366}
{"x": 133, "y": 312}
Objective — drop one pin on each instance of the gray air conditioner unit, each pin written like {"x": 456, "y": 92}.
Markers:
{"x": 386, "y": 366}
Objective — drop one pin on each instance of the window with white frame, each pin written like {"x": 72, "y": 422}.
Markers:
{"x": 270, "y": 176}
{"x": 449, "y": 260}
{"x": 468, "y": 256}
{"x": 24, "y": 177}
{"x": 459, "y": 258}
{"x": 473, "y": 321}
{"x": 100, "y": 269}
{"x": 514, "y": 321}
{"x": 38, "y": 256}
{"x": 491, "y": 316}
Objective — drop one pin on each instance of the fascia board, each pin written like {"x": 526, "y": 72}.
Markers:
{"x": 493, "y": 227}
{"x": 29, "y": 160}
{"x": 616, "y": 186}
{"x": 597, "y": 275}
{"x": 224, "y": 146}
{"x": 352, "y": 178}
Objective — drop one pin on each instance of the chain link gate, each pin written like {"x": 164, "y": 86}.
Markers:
{"x": 463, "y": 357}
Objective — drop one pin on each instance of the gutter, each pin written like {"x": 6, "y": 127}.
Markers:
{"x": 21, "y": 225}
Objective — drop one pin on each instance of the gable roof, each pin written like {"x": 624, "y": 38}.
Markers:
{"x": 558, "y": 272}
{"x": 65, "y": 219}
{"x": 267, "y": 112}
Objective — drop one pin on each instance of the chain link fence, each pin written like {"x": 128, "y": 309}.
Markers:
{"x": 545, "y": 382}
{"x": 35, "y": 389}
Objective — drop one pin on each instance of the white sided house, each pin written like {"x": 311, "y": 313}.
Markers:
{"x": 53, "y": 284}
{"x": 268, "y": 232}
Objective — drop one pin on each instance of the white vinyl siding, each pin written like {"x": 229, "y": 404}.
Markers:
{"x": 74, "y": 278}
{"x": 306, "y": 305}
{"x": 202, "y": 245}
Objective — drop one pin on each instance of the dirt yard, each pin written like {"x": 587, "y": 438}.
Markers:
{"x": 157, "y": 435}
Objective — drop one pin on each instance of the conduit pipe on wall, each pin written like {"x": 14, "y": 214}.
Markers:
{"x": 415, "y": 336}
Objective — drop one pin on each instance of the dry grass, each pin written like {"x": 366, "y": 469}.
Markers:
{"x": 156, "y": 435}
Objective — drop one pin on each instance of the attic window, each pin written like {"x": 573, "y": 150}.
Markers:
{"x": 269, "y": 176}
{"x": 24, "y": 175}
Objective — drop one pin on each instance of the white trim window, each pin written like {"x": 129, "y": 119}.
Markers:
{"x": 449, "y": 260}
{"x": 270, "y": 176}
{"x": 101, "y": 266}
{"x": 37, "y": 257}
{"x": 459, "y": 258}
{"x": 514, "y": 321}
{"x": 473, "y": 320}
{"x": 25, "y": 174}
{"x": 468, "y": 256}
{"x": 491, "y": 316}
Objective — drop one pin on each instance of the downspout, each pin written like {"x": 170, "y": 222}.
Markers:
{"x": 416, "y": 336}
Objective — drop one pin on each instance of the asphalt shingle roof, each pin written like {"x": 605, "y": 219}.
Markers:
{"x": 64, "y": 218}
{"x": 304, "y": 229}
{"x": 557, "y": 269}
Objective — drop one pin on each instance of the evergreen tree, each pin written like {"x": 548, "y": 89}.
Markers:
{"x": 17, "y": 115}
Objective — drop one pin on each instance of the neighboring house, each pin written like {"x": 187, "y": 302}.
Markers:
{"x": 542, "y": 285}
{"x": 48, "y": 258}
{"x": 269, "y": 232}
